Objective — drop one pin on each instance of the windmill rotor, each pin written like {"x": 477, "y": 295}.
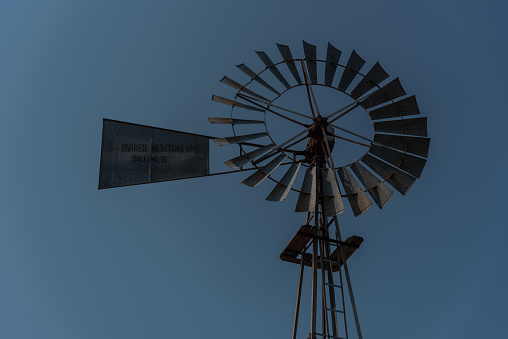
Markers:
{"x": 396, "y": 153}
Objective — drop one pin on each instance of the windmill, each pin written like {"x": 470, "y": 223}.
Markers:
{"x": 302, "y": 162}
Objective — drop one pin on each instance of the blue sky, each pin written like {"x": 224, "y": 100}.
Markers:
{"x": 201, "y": 257}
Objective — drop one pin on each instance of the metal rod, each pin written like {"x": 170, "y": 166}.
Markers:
{"x": 354, "y": 142}
{"x": 274, "y": 151}
{"x": 310, "y": 88}
{"x": 279, "y": 107}
{"x": 346, "y": 112}
{"x": 270, "y": 110}
{"x": 343, "y": 300}
{"x": 340, "y": 110}
{"x": 348, "y": 279}
{"x": 333, "y": 241}
{"x": 324, "y": 306}
{"x": 307, "y": 87}
{"x": 298, "y": 297}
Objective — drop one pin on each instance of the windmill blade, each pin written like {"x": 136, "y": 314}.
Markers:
{"x": 374, "y": 77}
{"x": 282, "y": 189}
{"x": 237, "y": 139}
{"x": 261, "y": 174}
{"x": 417, "y": 126}
{"x": 357, "y": 198}
{"x": 399, "y": 180}
{"x": 353, "y": 67}
{"x": 332, "y": 200}
{"x": 414, "y": 145}
{"x": 244, "y": 159}
{"x": 404, "y": 107}
{"x": 332, "y": 59}
{"x": 310, "y": 58}
{"x": 230, "y": 121}
{"x": 231, "y": 83}
{"x": 233, "y": 103}
{"x": 288, "y": 58}
{"x": 268, "y": 62}
{"x": 406, "y": 162}
{"x": 378, "y": 191}
{"x": 390, "y": 91}
{"x": 257, "y": 78}
{"x": 307, "y": 198}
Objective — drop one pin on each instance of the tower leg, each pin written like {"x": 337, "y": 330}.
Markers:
{"x": 350, "y": 288}
{"x": 298, "y": 297}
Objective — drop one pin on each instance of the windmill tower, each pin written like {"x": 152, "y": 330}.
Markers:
{"x": 396, "y": 155}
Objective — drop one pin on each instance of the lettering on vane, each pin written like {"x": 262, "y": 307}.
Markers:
{"x": 155, "y": 148}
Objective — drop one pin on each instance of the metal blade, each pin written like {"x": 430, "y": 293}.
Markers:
{"x": 237, "y": 139}
{"x": 288, "y": 58}
{"x": 390, "y": 91}
{"x": 257, "y": 78}
{"x": 414, "y": 145}
{"x": 353, "y": 66}
{"x": 266, "y": 60}
{"x": 307, "y": 198}
{"x": 357, "y": 198}
{"x": 399, "y": 180}
{"x": 229, "y": 121}
{"x": 261, "y": 174}
{"x": 404, "y": 107}
{"x": 282, "y": 189}
{"x": 378, "y": 191}
{"x": 332, "y": 59}
{"x": 374, "y": 77}
{"x": 310, "y": 58}
{"x": 406, "y": 162}
{"x": 417, "y": 126}
{"x": 230, "y": 102}
{"x": 237, "y": 86}
{"x": 332, "y": 200}
{"x": 244, "y": 159}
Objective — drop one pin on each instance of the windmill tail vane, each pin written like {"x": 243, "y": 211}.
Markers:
{"x": 395, "y": 156}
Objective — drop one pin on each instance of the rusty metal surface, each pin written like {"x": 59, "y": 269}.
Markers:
{"x": 353, "y": 66}
{"x": 261, "y": 174}
{"x": 230, "y": 121}
{"x": 332, "y": 59}
{"x": 244, "y": 159}
{"x": 406, "y": 162}
{"x": 268, "y": 62}
{"x": 398, "y": 179}
{"x": 332, "y": 200}
{"x": 357, "y": 198}
{"x": 390, "y": 91}
{"x": 404, "y": 107}
{"x": 245, "y": 69}
{"x": 307, "y": 198}
{"x": 237, "y": 139}
{"x": 417, "y": 126}
{"x": 233, "y": 84}
{"x": 414, "y": 145}
{"x": 230, "y": 102}
{"x": 283, "y": 187}
{"x": 374, "y": 77}
{"x": 310, "y": 57}
{"x": 288, "y": 58}
{"x": 135, "y": 154}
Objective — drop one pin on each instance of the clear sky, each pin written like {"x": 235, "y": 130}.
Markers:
{"x": 201, "y": 257}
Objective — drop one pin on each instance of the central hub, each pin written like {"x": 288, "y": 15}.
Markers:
{"x": 316, "y": 130}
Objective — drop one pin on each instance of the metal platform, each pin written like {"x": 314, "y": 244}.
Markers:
{"x": 298, "y": 245}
